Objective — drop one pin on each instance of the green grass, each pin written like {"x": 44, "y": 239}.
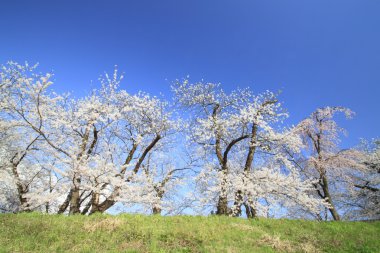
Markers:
{"x": 137, "y": 233}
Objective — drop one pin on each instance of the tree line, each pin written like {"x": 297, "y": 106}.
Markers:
{"x": 203, "y": 151}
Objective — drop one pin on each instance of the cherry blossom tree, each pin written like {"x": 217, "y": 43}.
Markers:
{"x": 324, "y": 161}
{"x": 21, "y": 144}
{"x": 67, "y": 155}
{"x": 243, "y": 149}
{"x": 94, "y": 146}
{"x": 362, "y": 198}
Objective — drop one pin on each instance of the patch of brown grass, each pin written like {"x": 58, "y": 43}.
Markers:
{"x": 276, "y": 243}
{"x": 172, "y": 242}
{"x": 107, "y": 224}
{"x": 139, "y": 246}
{"x": 308, "y": 248}
{"x": 245, "y": 227}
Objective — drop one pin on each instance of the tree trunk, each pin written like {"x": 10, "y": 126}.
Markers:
{"x": 62, "y": 208}
{"x": 21, "y": 191}
{"x": 75, "y": 197}
{"x": 156, "y": 210}
{"x": 237, "y": 203}
{"x": 322, "y": 172}
{"x": 326, "y": 192}
{"x": 222, "y": 208}
{"x": 25, "y": 207}
{"x": 94, "y": 201}
{"x": 250, "y": 211}
{"x": 101, "y": 208}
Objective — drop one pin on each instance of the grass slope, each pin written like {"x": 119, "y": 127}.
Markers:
{"x": 136, "y": 233}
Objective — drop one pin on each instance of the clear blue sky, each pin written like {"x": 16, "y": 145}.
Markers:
{"x": 324, "y": 52}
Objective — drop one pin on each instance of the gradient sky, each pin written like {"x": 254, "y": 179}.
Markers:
{"x": 319, "y": 53}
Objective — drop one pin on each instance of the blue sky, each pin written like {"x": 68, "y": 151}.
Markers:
{"x": 318, "y": 53}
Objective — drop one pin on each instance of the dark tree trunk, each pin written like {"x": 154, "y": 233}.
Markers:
{"x": 156, "y": 210}
{"x": 75, "y": 197}
{"x": 222, "y": 207}
{"x": 62, "y": 208}
{"x": 326, "y": 192}
{"x": 322, "y": 172}
{"x": 101, "y": 208}
{"x": 21, "y": 188}
{"x": 237, "y": 203}
{"x": 250, "y": 211}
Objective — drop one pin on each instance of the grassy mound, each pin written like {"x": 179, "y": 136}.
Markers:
{"x": 137, "y": 233}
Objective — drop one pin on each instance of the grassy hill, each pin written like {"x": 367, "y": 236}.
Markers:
{"x": 136, "y": 233}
